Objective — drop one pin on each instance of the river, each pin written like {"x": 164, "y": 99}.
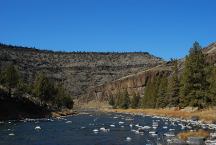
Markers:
{"x": 91, "y": 128}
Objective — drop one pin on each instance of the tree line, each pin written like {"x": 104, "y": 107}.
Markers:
{"x": 43, "y": 88}
{"x": 195, "y": 86}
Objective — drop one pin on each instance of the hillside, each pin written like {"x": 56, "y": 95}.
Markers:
{"x": 78, "y": 71}
{"x": 137, "y": 82}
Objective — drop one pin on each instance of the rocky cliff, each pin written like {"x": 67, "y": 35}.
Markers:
{"x": 136, "y": 83}
{"x": 132, "y": 83}
{"x": 78, "y": 71}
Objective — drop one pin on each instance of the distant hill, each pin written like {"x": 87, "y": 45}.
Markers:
{"x": 78, "y": 71}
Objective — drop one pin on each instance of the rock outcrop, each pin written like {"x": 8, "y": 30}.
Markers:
{"x": 132, "y": 83}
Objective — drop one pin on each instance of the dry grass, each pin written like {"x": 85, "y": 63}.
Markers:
{"x": 200, "y": 133}
{"x": 96, "y": 105}
{"x": 204, "y": 115}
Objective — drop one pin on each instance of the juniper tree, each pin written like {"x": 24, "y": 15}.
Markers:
{"x": 11, "y": 77}
{"x": 111, "y": 101}
{"x": 44, "y": 88}
{"x": 125, "y": 100}
{"x": 135, "y": 100}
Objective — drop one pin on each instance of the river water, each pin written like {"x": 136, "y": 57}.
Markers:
{"x": 88, "y": 129}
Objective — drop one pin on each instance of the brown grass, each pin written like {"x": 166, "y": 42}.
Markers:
{"x": 208, "y": 115}
{"x": 200, "y": 133}
{"x": 96, "y": 105}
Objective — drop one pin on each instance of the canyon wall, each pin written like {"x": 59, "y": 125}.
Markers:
{"x": 132, "y": 83}
{"x": 78, "y": 71}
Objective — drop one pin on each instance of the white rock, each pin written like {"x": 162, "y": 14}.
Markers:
{"x": 146, "y": 127}
{"x": 95, "y": 130}
{"x": 37, "y": 128}
{"x": 128, "y": 139}
{"x": 11, "y": 134}
{"x": 68, "y": 122}
{"x": 104, "y": 129}
{"x": 112, "y": 125}
{"x": 165, "y": 127}
{"x": 120, "y": 122}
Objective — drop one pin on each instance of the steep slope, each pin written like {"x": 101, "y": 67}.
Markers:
{"x": 136, "y": 83}
{"x": 132, "y": 83}
{"x": 79, "y": 71}
{"x": 14, "y": 105}
{"x": 210, "y": 51}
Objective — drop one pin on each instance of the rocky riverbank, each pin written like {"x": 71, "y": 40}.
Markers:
{"x": 206, "y": 116}
{"x": 64, "y": 112}
{"x": 203, "y": 119}
{"x": 18, "y": 107}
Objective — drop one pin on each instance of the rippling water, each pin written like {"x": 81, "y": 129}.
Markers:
{"x": 78, "y": 130}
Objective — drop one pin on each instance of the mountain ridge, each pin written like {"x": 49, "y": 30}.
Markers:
{"x": 78, "y": 71}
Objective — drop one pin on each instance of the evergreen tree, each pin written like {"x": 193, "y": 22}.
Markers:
{"x": 111, "y": 101}
{"x": 118, "y": 100}
{"x": 125, "y": 100}
{"x": 194, "y": 84}
{"x": 10, "y": 77}
{"x": 173, "y": 87}
{"x": 161, "y": 94}
{"x": 212, "y": 88}
{"x": 135, "y": 100}
{"x": 150, "y": 94}
{"x": 44, "y": 88}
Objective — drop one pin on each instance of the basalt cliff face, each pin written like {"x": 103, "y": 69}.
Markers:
{"x": 80, "y": 72}
{"x": 136, "y": 82}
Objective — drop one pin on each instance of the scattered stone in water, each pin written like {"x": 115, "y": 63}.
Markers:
{"x": 169, "y": 134}
{"x": 104, "y": 129}
{"x": 195, "y": 141}
{"x": 83, "y": 127}
{"x": 68, "y": 122}
{"x": 165, "y": 127}
{"x": 155, "y": 125}
{"x": 112, "y": 125}
{"x": 129, "y": 119}
{"x": 146, "y": 127}
{"x": 210, "y": 142}
{"x": 213, "y": 135}
{"x": 120, "y": 122}
{"x": 95, "y": 130}
{"x": 153, "y": 133}
{"x": 37, "y": 128}
{"x": 11, "y": 134}
{"x": 128, "y": 139}
{"x": 171, "y": 129}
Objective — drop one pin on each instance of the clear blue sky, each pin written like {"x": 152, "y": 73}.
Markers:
{"x": 165, "y": 28}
